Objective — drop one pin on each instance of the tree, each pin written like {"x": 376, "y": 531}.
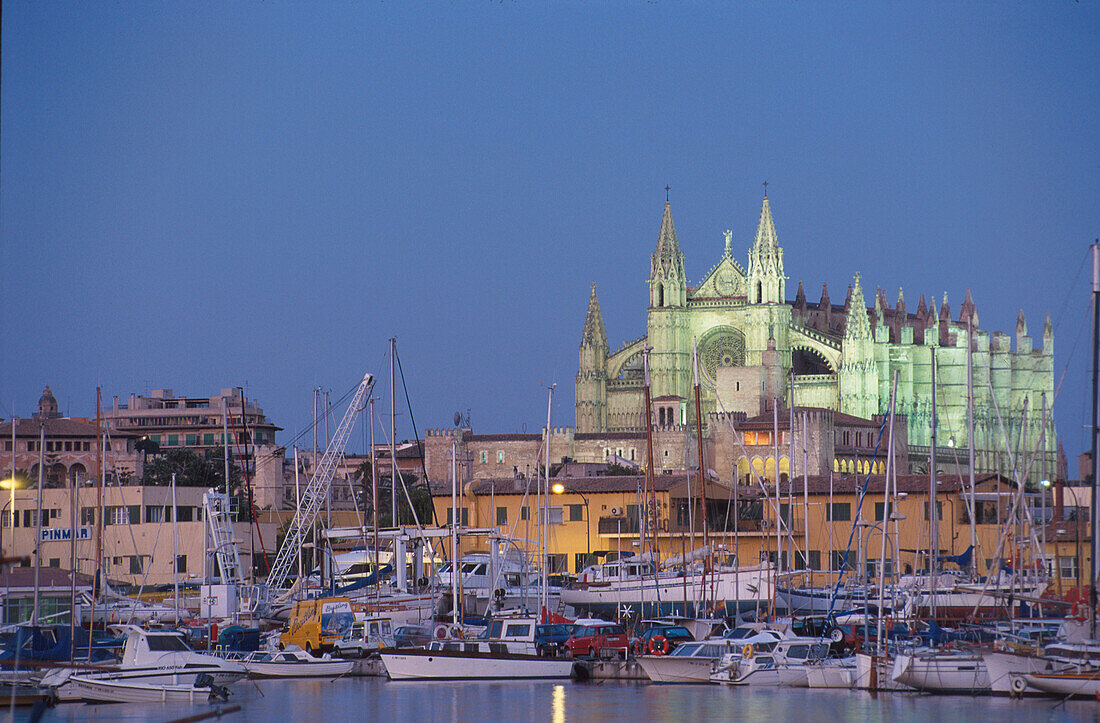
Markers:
{"x": 192, "y": 469}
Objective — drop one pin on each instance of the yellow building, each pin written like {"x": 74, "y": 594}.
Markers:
{"x": 594, "y": 518}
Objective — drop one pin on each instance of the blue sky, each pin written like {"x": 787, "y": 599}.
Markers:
{"x": 203, "y": 195}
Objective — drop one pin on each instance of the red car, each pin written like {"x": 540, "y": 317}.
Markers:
{"x": 591, "y": 638}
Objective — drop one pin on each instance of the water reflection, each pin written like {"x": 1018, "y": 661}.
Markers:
{"x": 557, "y": 704}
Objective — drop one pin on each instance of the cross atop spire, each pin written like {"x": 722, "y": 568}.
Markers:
{"x": 765, "y": 189}
{"x": 667, "y": 189}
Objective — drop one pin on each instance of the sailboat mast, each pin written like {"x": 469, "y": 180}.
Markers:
{"x": 702, "y": 474}
{"x": 374, "y": 502}
{"x": 970, "y": 430}
{"x": 933, "y": 518}
{"x": 1095, "y": 502}
{"x": 393, "y": 439}
{"x": 546, "y": 521}
{"x": 97, "y": 521}
{"x": 647, "y": 512}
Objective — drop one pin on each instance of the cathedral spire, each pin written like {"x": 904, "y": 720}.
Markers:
{"x": 767, "y": 284}
{"x": 1021, "y": 324}
{"x": 765, "y": 230}
{"x": 800, "y": 297}
{"x": 667, "y": 279}
{"x": 858, "y": 326}
{"x": 594, "y": 335}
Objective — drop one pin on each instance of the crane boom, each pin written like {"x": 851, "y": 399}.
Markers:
{"x": 316, "y": 491}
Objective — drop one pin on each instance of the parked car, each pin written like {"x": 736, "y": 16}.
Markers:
{"x": 592, "y": 638}
{"x": 660, "y": 639}
{"x": 550, "y": 639}
{"x": 365, "y": 637}
{"x": 411, "y": 636}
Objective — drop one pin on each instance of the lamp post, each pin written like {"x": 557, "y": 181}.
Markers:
{"x": 12, "y": 484}
{"x": 558, "y": 488}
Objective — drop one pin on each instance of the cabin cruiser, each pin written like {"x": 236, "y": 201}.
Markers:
{"x": 637, "y": 587}
{"x": 781, "y": 663}
{"x": 690, "y": 662}
{"x": 942, "y": 671}
{"x": 294, "y": 663}
{"x": 149, "y": 658}
{"x": 506, "y": 650}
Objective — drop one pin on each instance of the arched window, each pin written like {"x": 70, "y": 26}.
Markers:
{"x": 660, "y": 295}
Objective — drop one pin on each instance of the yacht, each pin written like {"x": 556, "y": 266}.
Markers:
{"x": 149, "y": 658}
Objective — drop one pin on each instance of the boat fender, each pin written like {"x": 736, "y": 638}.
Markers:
{"x": 1079, "y": 612}
{"x": 499, "y": 593}
{"x": 747, "y": 651}
{"x": 440, "y": 631}
{"x": 456, "y": 632}
{"x": 1018, "y": 684}
{"x": 639, "y": 647}
{"x": 658, "y": 645}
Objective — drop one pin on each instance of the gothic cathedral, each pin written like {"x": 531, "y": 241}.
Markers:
{"x": 753, "y": 346}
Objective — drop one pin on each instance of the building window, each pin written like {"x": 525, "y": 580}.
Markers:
{"x": 939, "y": 510}
{"x": 154, "y": 513}
{"x": 484, "y": 457}
{"x": 557, "y": 563}
{"x": 135, "y": 565}
{"x": 191, "y": 440}
{"x": 580, "y": 560}
{"x": 185, "y": 514}
{"x": 87, "y": 515}
{"x": 552, "y": 515}
{"x": 815, "y": 559}
{"x": 55, "y": 562}
{"x": 502, "y": 516}
{"x": 463, "y": 515}
{"x": 500, "y": 457}
{"x": 1068, "y": 567}
{"x": 839, "y": 512}
{"x": 838, "y": 561}
{"x": 208, "y": 440}
{"x": 882, "y": 511}
{"x": 173, "y": 440}
{"x": 181, "y": 563}
{"x": 525, "y": 513}
{"x": 576, "y": 513}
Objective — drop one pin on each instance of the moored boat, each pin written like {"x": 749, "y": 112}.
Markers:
{"x": 294, "y": 664}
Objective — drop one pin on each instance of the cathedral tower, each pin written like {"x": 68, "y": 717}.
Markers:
{"x": 591, "y": 382}
{"x": 670, "y": 360}
{"x": 767, "y": 284}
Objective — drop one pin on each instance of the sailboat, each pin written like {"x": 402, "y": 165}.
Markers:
{"x": 689, "y": 586}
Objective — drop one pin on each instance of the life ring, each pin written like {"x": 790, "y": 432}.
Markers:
{"x": 658, "y": 645}
{"x": 440, "y": 631}
{"x": 1018, "y": 684}
{"x": 747, "y": 651}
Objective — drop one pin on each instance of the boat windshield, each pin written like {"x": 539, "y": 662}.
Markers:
{"x": 167, "y": 642}
{"x": 686, "y": 650}
{"x": 740, "y": 633}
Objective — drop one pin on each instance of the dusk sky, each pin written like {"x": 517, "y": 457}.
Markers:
{"x": 204, "y": 195}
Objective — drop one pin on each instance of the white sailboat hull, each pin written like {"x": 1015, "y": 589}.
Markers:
{"x": 728, "y": 592}
{"x": 449, "y": 665}
{"x": 97, "y": 690}
{"x": 942, "y": 673}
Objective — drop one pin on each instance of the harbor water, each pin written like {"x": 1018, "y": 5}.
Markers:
{"x": 377, "y": 699}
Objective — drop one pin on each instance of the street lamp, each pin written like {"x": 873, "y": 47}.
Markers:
{"x": 558, "y": 488}
{"x": 12, "y": 484}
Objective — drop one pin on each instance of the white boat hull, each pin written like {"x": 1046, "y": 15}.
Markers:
{"x": 96, "y": 690}
{"x": 1065, "y": 684}
{"x": 1007, "y": 672}
{"x": 666, "y": 669}
{"x": 727, "y": 592}
{"x": 830, "y": 676}
{"x": 448, "y": 665}
{"x": 942, "y": 673}
{"x": 283, "y": 669}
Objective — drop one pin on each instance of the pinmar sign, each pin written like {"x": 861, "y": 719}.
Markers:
{"x": 65, "y": 534}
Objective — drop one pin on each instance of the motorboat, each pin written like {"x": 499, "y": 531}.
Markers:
{"x": 784, "y": 664}
{"x": 1065, "y": 683}
{"x": 294, "y": 663}
{"x": 831, "y": 673}
{"x": 690, "y": 662}
{"x": 156, "y": 658}
{"x": 96, "y": 690}
{"x": 506, "y": 650}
